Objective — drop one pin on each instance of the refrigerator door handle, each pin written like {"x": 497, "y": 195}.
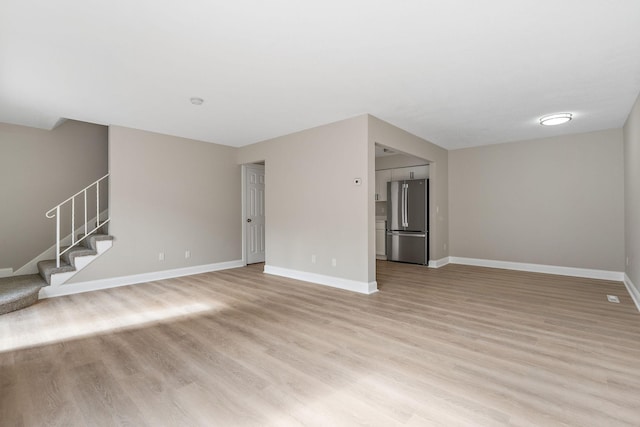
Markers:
{"x": 402, "y": 207}
{"x": 396, "y": 233}
{"x": 405, "y": 205}
{"x": 406, "y": 209}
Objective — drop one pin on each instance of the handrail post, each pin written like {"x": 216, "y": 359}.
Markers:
{"x": 85, "y": 212}
{"x": 58, "y": 236}
{"x": 73, "y": 220}
{"x": 97, "y": 204}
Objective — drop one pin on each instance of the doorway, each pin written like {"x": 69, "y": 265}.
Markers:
{"x": 254, "y": 213}
{"x": 402, "y": 206}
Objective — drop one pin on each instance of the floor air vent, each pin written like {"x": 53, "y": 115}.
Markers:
{"x": 613, "y": 298}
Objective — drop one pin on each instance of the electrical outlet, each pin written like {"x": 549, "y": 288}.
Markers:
{"x": 334, "y": 262}
{"x": 613, "y": 298}
{"x": 187, "y": 253}
{"x": 313, "y": 259}
{"x": 161, "y": 256}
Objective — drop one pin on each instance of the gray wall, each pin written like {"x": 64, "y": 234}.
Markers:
{"x": 312, "y": 206}
{"x": 393, "y": 137}
{"x": 554, "y": 201}
{"x": 38, "y": 170}
{"x": 557, "y": 201}
{"x": 168, "y": 195}
{"x": 632, "y": 193}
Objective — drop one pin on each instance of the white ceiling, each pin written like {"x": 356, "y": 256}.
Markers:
{"x": 458, "y": 73}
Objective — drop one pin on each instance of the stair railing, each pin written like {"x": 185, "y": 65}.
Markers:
{"x": 82, "y": 195}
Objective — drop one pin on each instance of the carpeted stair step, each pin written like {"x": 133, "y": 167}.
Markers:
{"x": 90, "y": 242}
{"x": 48, "y": 267}
{"x": 75, "y": 252}
{"x": 102, "y": 230}
{"x": 18, "y": 292}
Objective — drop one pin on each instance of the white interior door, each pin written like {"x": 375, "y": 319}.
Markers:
{"x": 254, "y": 213}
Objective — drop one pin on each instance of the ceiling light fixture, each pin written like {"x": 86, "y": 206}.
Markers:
{"x": 555, "y": 119}
{"x": 197, "y": 101}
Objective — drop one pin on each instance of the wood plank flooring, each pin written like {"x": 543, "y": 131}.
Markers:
{"x": 459, "y": 345}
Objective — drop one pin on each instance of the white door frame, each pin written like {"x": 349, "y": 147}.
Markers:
{"x": 243, "y": 183}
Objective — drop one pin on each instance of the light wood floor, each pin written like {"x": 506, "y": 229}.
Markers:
{"x": 454, "y": 346}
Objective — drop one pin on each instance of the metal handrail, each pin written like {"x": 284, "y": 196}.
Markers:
{"x": 55, "y": 213}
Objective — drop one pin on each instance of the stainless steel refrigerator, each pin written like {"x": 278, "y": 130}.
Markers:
{"x": 408, "y": 221}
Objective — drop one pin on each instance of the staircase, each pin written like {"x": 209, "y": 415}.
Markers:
{"x": 74, "y": 259}
{"x": 18, "y": 292}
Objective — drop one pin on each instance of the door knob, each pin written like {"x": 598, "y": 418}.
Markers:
{"x": 248, "y": 219}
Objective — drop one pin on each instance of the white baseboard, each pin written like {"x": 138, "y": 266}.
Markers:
{"x": 633, "y": 290}
{"x": 6, "y": 272}
{"x": 541, "y": 268}
{"x": 94, "y": 285}
{"x": 321, "y": 279}
{"x": 437, "y": 263}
